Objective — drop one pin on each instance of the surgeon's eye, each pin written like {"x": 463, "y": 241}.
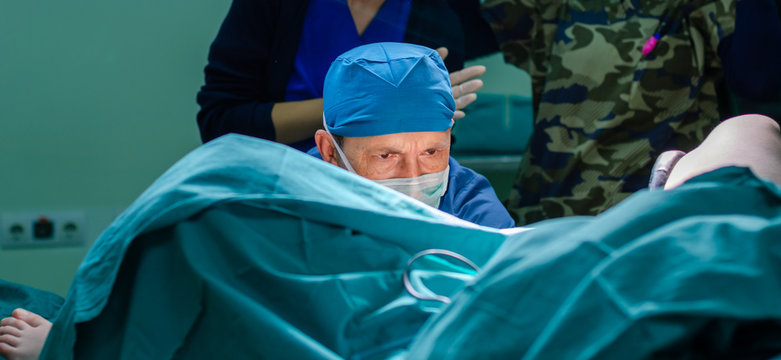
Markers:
{"x": 430, "y": 152}
{"x": 384, "y": 156}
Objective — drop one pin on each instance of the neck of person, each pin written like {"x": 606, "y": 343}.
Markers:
{"x": 363, "y": 12}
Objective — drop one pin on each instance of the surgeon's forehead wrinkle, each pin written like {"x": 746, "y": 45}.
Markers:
{"x": 396, "y": 143}
{"x": 388, "y": 145}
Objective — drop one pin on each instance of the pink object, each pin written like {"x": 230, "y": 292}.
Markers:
{"x": 650, "y": 44}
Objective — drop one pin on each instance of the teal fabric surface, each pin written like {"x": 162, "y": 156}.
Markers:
{"x": 690, "y": 273}
{"x": 257, "y": 249}
{"x": 13, "y": 295}
{"x": 250, "y": 249}
{"x": 496, "y": 124}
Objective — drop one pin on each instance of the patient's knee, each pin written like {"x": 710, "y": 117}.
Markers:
{"x": 743, "y": 125}
{"x": 752, "y": 141}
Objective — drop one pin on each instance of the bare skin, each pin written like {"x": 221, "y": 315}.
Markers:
{"x": 402, "y": 155}
{"x": 363, "y": 12}
{"x": 297, "y": 120}
{"x": 22, "y": 335}
{"x": 752, "y": 141}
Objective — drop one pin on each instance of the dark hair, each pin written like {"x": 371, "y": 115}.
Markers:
{"x": 339, "y": 139}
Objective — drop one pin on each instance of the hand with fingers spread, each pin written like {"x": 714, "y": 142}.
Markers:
{"x": 22, "y": 335}
{"x": 465, "y": 84}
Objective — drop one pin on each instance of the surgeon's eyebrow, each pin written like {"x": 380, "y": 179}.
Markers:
{"x": 389, "y": 149}
{"x": 386, "y": 150}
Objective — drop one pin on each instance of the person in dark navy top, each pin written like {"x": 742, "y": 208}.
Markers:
{"x": 268, "y": 61}
{"x": 751, "y": 54}
{"x": 388, "y": 110}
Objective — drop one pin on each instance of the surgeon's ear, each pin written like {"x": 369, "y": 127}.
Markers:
{"x": 326, "y": 147}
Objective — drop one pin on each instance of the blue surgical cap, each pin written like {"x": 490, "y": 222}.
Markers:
{"x": 387, "y": 88}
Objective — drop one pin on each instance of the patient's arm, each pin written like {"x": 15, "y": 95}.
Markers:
{"x": 22, "y": 335}
{"x": 753, "y": 141}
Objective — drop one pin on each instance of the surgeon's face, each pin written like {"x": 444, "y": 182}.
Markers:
{"x": 401, "y": 155}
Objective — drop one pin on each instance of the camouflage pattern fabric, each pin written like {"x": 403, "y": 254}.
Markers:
{"x": 603, "y": 111}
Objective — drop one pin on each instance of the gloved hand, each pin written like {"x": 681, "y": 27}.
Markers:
{"x": 663, "y": 167}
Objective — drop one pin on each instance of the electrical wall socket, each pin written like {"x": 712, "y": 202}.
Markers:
{"x": 41, "y": 229}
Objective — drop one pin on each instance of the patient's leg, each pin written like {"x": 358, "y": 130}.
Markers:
{"x": 753, "y": 141}
{"x": 22, "y": 335}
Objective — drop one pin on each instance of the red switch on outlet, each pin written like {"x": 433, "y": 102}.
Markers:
{"x": 43, "y": 229}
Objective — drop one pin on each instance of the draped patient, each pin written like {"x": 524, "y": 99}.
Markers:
{"x": 397, "y": 133}
{"x": 388, "y": 110}
{"x": 752, "y": 141}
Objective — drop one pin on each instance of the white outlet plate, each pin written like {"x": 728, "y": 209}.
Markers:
{"x": 17, "y": 229}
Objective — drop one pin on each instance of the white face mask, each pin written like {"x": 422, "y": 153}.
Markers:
{"x": 427, "y": 188}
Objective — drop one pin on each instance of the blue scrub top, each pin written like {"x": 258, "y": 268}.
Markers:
{"x": 329, "y": 30}
{"x": 471, "y": 197}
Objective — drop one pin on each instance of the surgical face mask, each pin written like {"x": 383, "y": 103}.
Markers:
{"x": 427, "y": 188}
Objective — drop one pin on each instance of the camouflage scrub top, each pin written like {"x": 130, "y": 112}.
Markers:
{"x": 603, "y": 110}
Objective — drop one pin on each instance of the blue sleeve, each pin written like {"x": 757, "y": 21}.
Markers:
{"x": 471, "y": 197}
{"x": 751, "y": 56}
{"x": 235, "y": 97}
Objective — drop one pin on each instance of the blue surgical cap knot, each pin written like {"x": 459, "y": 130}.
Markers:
{"x": 387, "y": 88}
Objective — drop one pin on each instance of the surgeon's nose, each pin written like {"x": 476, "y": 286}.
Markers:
{"x": 410, "y": 168}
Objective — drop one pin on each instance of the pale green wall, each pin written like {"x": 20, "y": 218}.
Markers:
{"x": 97, "y": 99}
{"x": 502, "y": 78}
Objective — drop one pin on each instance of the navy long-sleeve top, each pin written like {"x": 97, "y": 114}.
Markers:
{"x": 752, "y": 56}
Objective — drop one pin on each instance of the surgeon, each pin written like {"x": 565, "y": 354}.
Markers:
{"x": 388, "y": 110}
